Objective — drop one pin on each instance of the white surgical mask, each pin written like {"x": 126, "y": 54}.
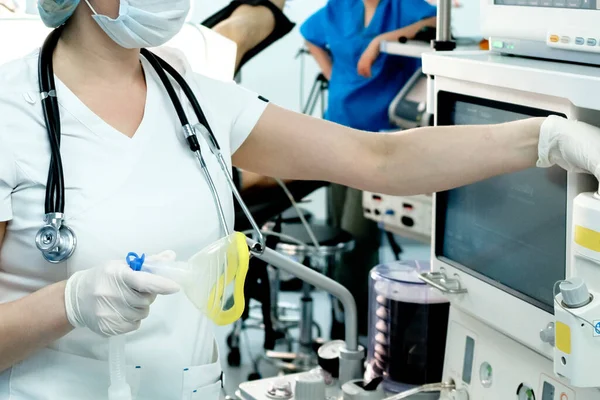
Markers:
{"x": 144, "y": 23}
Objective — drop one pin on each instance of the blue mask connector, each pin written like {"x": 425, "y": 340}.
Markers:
{"x": 135, "y": 262}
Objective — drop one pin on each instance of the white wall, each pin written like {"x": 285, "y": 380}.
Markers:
{"x": 465, "y": 19}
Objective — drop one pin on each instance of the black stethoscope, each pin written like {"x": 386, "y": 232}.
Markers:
{"x": 55, "y": 239}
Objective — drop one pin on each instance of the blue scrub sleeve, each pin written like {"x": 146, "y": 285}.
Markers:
{"x": 414, "y": 11}
{"x": 8, "y": 182}
{"x": 314, "y": 28}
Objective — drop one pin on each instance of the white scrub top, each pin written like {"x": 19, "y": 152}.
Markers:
{"x": 143, "y": 194}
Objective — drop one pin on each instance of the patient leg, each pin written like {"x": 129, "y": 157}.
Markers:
{"x": 252, "y": 24}
{"x": 247, "y": 26}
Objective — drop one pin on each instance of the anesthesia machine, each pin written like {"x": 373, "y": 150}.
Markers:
{"x": 519, "y": 255}
{"x": 564, "y": 30}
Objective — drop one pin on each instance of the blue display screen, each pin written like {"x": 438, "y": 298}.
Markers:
{"x": 509, "y": 231}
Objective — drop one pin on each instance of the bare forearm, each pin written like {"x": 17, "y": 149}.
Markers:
{"x": 410, "y": 31}
{"x": 32, "y": 323}
{"x": 434, "y": 159}
{"x": 417, "y": 161}
{"x": 322, "y": 58}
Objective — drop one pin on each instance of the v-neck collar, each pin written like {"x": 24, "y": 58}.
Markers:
{"x": 77, "y": 108}
{"x": 366, "y": 28}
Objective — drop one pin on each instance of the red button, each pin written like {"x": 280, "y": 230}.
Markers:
{"x": 564, "y": 396}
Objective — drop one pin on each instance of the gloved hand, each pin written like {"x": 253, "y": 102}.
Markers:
{"x": 573, "y": 145}
{"x": 113, "y": 299}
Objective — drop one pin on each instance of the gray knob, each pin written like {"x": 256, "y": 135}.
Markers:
{"x": 575, "y": 293}
{"x": 281, "y": 389}
{"x": 547, "y": 335}
{"x": 459, "y": 394}
{"x": 355, "y": 390}
{"x": 310, "y": 387}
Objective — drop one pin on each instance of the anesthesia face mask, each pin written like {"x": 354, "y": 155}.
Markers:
{"x": 210, "y": 278}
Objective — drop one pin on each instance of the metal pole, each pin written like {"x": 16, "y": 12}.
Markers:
{"x": 306, "y": 320}
{"x": 322, "y": 282}
{"x": 443, "y": 42}
{"x": 444, "y": 20}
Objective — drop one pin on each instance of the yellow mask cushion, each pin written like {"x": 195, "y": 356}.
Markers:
{"x": 238, "y": 260}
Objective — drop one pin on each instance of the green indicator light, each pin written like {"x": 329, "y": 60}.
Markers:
{"x": 498, "y": 45}
{"x": 530, "y": 395}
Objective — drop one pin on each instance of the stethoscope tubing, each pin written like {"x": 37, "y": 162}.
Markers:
{"x": 55, "y": 193}
{"x": 55, "y": 189}
{"x": 192, "y": 139}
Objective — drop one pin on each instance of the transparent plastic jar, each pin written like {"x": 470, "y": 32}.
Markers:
{"x": 408, "y": 323}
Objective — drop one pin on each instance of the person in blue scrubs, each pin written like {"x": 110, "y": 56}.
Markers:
{"x": 344, "y": 37}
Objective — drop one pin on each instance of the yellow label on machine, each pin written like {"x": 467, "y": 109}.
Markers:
{"x": 563, "y": 337}
{"x": 587, "y": 238}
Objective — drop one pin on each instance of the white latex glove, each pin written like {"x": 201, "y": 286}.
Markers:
{"x": 113, "y": 299}
{"x": 572, "y": 145}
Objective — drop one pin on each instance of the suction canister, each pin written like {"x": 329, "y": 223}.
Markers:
{"x": 408, "y": 322}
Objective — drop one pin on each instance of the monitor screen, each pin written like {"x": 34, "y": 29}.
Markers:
{"x": 571, "y": 4}
{"x": 509, "y": 231}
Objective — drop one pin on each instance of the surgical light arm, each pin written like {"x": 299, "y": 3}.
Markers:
{"x": 351, "y": 358}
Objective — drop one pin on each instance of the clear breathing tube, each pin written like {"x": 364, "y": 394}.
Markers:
{"x": 430, "y": 388}
{"x": 119, "y": 389}
{"x": 309, "y": 230}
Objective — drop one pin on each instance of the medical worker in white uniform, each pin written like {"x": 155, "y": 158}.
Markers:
{"x": 132, "y": 185}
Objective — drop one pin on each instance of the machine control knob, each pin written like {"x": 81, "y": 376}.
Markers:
{"x": 547, "y": 335}
{"x": 310, "y": 386}
{"x": 575, "y": 293}
{"x": 459, "y": 394}
{"x": 281, "y": 389}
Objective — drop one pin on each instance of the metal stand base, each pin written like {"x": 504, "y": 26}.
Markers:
{"x": 318, "y": 92}
{"x": 443, "y": 45}
{"x": 305, "y": 359}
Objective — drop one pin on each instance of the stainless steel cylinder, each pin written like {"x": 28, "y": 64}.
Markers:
{"x": 306, "y": 321}
{"x": 444, "y": 20}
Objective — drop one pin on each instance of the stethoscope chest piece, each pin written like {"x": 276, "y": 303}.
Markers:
{"x": 55, "y": 240}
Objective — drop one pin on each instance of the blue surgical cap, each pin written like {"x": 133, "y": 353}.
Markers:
{"x": 54, "y": 13}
